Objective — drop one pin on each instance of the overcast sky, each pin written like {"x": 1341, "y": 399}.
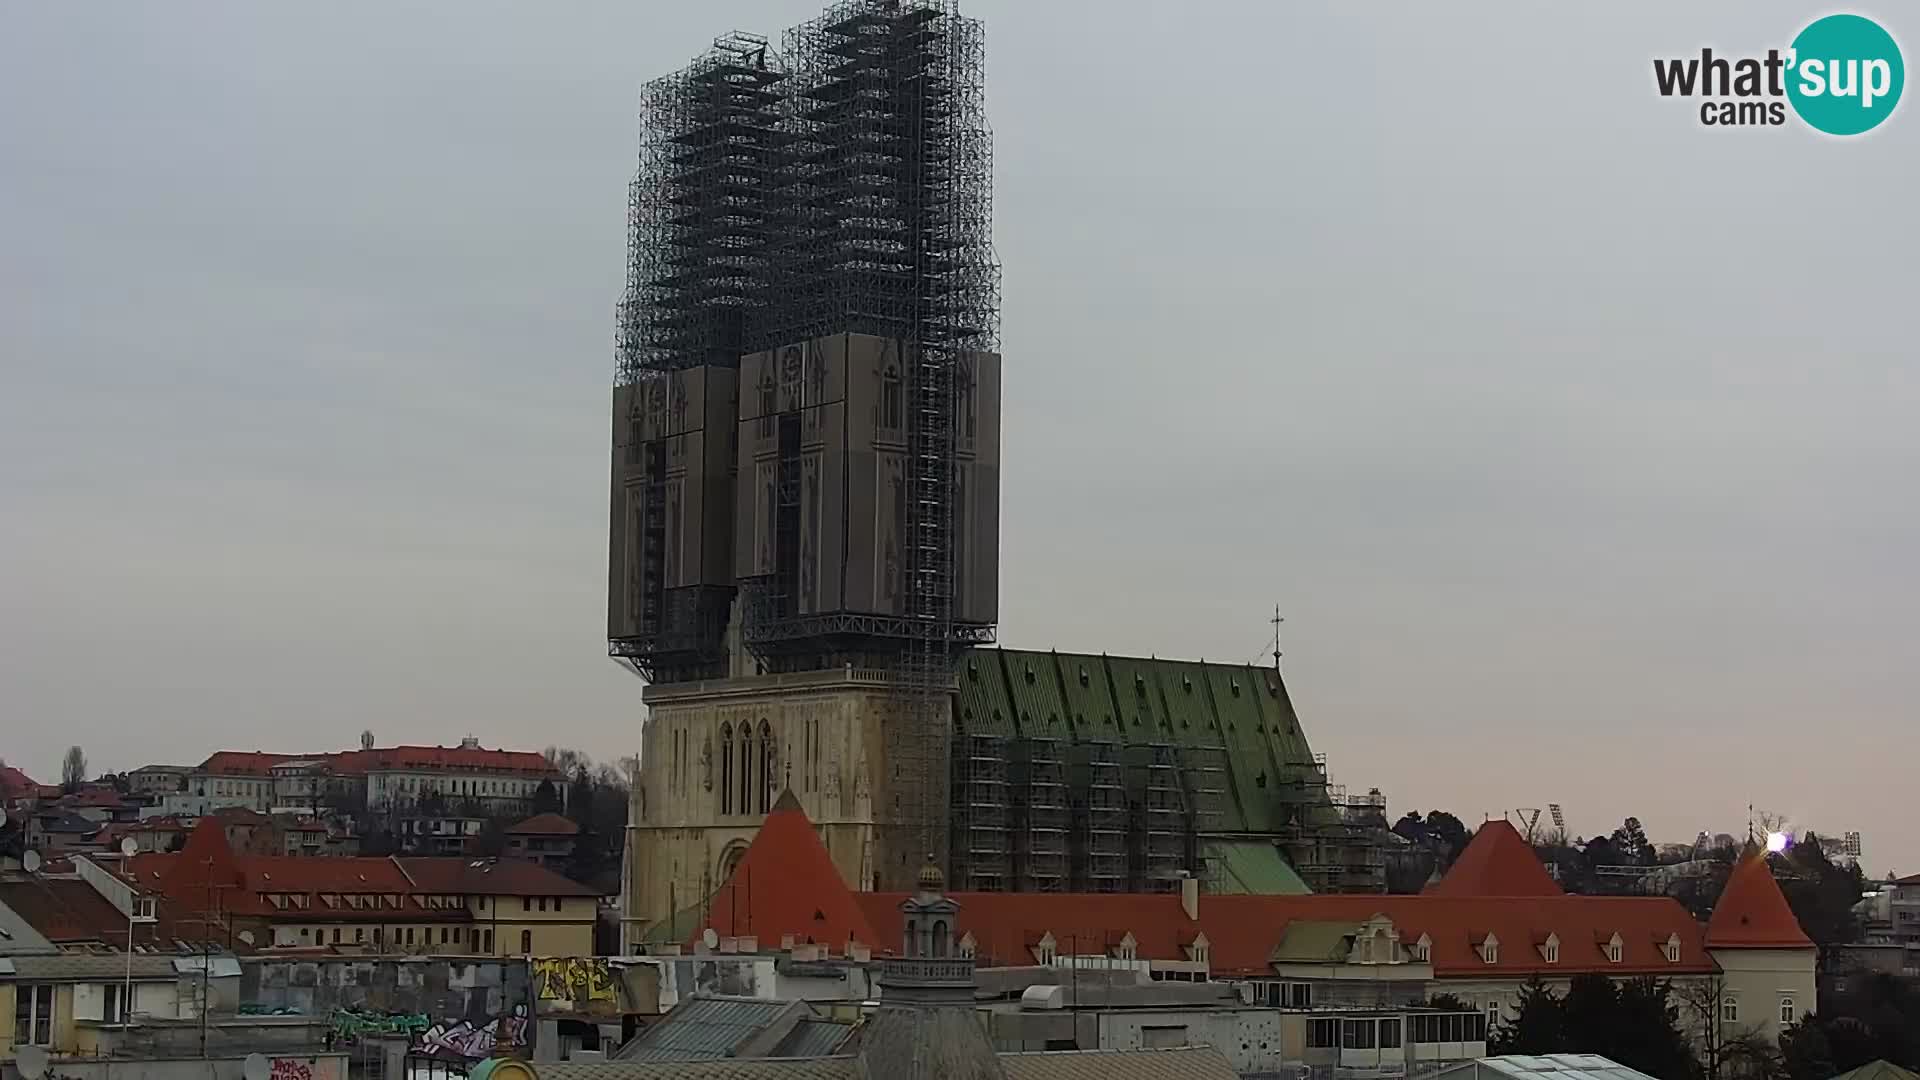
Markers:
{"x": 1576, "y": 440}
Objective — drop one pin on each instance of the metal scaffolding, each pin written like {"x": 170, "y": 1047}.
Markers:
{"x": 1099, "y": 801}
{"x": 1157, "y": 841}
{"x": 889, "y": 208}
{"x": 1042, "y": 816}
{"x": 841, "y": 184}
{"x": 704, "y": 213}
{"x": 982, "y": 814}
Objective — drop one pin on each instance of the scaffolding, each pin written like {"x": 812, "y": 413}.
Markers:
{"x": 841, "y": 184}
{"x": 982, "y": 814}
{"x": 890, "y": 211}
{"x": 1203, "y": 780}
{"x": 1098, "y": 793}
{"x": 1157, "y": 839}
{"x": 1335, "y": 843}
{"x": 1042, "y": 816}
{"x": 704, "y": 213}
{"x": 702, "y": 225}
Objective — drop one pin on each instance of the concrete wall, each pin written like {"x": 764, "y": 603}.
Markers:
{"x": 439, "y": 988}
{"x": 305, "y": 1067}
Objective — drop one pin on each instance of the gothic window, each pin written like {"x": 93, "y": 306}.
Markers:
{"x": 940, "y": 937}
{"x": 766, "y": 767}
{"x": 890, "y": 398}
{"x": 726, "y": 768}
{"x": 746, "y": 768}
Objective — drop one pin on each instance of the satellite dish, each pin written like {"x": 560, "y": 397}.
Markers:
{"x": 707, "y": 936}
{"x": 31, "y": 1061}
{"x": 255, "y": 1067}
{"x": 128, "y": 845}
{"x": 246, "y": 937}
{"x": 31, "y": 860}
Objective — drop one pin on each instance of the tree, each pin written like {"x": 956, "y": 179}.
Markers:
{"x": 1630, "y": 841}
{"x": 1449, "y": 831}
{"x": 1448, "y": 1003}
{"x": 1822, "y": 895}
{"x": 1646, "y": 1034}
{"x": 1804, "y": 1051}
{"x": 546, "y": 798}
{"x": 73, "y": 769}
{"x": 1537, "y": 1025}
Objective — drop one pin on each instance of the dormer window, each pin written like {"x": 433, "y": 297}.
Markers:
{"x": 1550, "y": 949}
{"x": 1616, "y": 949}
{"x": 1423, "y": 949}
{"x": 1490, "y": 950}
{"x": 1673, "y": 949}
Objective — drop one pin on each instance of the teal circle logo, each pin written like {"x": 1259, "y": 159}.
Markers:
{"x": 1845, "y": 74}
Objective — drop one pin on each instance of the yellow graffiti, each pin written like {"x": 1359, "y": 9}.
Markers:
{"x": 572, "y": 978}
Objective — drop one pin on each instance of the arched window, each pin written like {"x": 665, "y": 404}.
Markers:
{"x": 726, "y": 768}
{"x": 746, "y": 768}
{"x": 913, "y": 941}
{"x": 766, "y": 767}
{"x": 940, "y": 937}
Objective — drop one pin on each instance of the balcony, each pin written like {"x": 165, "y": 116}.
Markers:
{"x": 926, "y": 971}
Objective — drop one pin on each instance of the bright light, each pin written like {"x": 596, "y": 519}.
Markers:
{"x": 1777, "y": 842}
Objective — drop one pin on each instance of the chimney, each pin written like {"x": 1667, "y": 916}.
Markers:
{"x": 1190, "y": 895}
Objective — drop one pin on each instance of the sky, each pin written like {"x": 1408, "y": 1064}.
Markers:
{"x": 1574, "y": 439}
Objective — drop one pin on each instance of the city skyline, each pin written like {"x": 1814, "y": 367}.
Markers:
{"x": 1570, "y": 487}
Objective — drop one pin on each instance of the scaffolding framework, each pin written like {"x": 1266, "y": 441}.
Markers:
{"x": 839, "y": 184}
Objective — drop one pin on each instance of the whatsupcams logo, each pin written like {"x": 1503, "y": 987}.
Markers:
{"x": 1842, "y": 75}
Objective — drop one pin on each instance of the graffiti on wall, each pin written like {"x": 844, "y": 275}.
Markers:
{"x": 465, "y": 1040}
{"x": 469, "y": 1041}
{"x": 352, "y": 1025}
{"x": 290, "y": 1069}
{"x": 572, "y": 978}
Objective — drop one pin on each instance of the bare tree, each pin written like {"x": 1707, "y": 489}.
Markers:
{"x": 1725, "y": 1052}
{"x": 73, "y": 768}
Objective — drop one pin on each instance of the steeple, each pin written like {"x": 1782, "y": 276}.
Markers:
{"x": 1752, "y": 912}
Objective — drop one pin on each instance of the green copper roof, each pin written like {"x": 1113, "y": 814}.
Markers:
{"x": 1252, "y": 867}
{"x": 1313, "y": 941}
{"x": 1238, "y": 709}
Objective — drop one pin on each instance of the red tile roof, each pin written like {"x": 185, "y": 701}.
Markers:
{"x": 786, "y": 883}
{"x": 1498, "y": 861}
{"x": 245, "y": 762}
{"x": 68, "y": 911}
{"x": 243, "y": 882}
{"x": 15, "y": 784}
{"x": 1752, "y": 912}
{"x": 380, "y": 759}
{"x": 545, "y": 825}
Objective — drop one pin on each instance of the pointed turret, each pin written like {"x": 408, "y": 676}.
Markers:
{"x": 1752, "y": 912}
{"x": 1498, "y": 861}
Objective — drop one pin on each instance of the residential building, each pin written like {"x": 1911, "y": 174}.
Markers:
{"x": 1903, "y": 911}
{"x": 158, "y": 780}
{"x": 397, "y": 780}
{"x": 17, "y": 789}
{"x": 494, "y": 907}
{"x": 547, "y": 839}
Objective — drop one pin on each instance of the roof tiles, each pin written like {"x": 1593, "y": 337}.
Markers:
{"x": 1752, "y": 912}
{"x": 1498, "y": 861}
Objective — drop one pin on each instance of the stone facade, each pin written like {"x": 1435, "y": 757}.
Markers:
{"x": 716, "y": 755}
